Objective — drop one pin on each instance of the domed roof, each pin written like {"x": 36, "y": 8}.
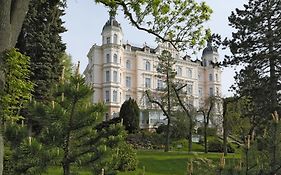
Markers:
{"x": 209, "y": 49}
{"x": 111, "y": 22}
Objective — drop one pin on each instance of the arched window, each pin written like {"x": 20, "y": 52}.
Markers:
{"x": 107, "y": 58}
{"x": 115, "y": 60}
{"x": 114, "y": 98}
{"x": 115, "y": 39}
{"x": 147, "y": 66}
{"x": 128, "y": 64}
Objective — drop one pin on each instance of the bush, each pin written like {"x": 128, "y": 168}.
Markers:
{"x": 146, "y": 140}
{"x": 125, "y": 158}
{"x": 216, "y": 145}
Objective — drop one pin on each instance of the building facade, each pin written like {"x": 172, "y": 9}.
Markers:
{"x": 118, "y": 71}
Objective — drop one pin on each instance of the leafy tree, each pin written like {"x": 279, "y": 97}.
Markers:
{"x": 166, "y": 71}
{"x": 189, "y": 112}
{"x": 208, "y": 112}
{"x": 256, "y": 44}
{"x": 40, "y": 39}
{"x": 130, "y": 113}
{"x": 17, "y": 90}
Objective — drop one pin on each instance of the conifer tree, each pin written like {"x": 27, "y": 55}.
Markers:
{"x": 130, "y": 113}
{"x": 40, "y": 39}
{"x": 72, "y": 125}
{"x": 256, "y": 44}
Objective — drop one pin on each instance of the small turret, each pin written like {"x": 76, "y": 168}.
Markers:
{"x": 112, "y": 32}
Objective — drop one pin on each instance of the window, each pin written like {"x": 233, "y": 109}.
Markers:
{"x": 114, "y": 96}
{"x": 200, "y": 91}
{"x": 115, "y": 39}
{"x": 107, "y": 40}
{"x": 107, "y": 96}
{"x": 115, "y": 58}
{"x": 128, "y": 64}
{"x": 107, "y": 58}
{"x": 128, "y": 82}
{"x": 160, "y": 84}
{"x": 189, "y": 73}
{"x": 217, "y": 91}
{"x": 147, "y": 66}
{"x": 217, "y": 77}
{"x": 107, "y": 76}
{"x": 115, "y": 76}
{"x": 211, "y": 92}
{"x": 179, "y": 71}
{"x": 189, "y": 89}
{"x": 210, "y": 77}
{"x": 199, "y": 76}
{"x": 148, "y": 82}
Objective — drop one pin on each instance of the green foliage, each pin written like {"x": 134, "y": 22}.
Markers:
{"x": 40, "y": 39}
{"x": 125, "y": 158}
{"x": 130, "y": 113}
{"x": 210, "y": 131}
{"x": 18, "y": 87}
{"x": 70, "y": 125}
{"x": 216, "y": 145}
{"x": 178, "y": 22}
{"x": 256, "y": 44}
{"x": 146, "y": 140}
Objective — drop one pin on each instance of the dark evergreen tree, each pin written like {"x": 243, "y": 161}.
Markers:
{"x": 40, "y": 39}
{"x": 130, "y": 113}
{"x": 256, "y": 44}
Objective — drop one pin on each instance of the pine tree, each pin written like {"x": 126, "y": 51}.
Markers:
{"x": 72, "y": 125}
{"x": 40, "y": 39}
{"x": 167, "y": 73}
{"x": 257, "y": 45}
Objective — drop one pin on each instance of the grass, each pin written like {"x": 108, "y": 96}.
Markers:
{"x": 171, "y": 163}
{"x": 160, "y": 163}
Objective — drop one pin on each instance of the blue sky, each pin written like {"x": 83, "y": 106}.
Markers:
{"x": 84, "y": 20}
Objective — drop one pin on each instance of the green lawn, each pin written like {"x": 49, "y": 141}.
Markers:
{"x": 171, "y": 163}
{"x": 161, "y": 163}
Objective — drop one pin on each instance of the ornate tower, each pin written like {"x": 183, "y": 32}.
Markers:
{"x": 112, "y": 52}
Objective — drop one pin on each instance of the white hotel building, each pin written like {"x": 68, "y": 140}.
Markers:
{"x": 118, "y": 71}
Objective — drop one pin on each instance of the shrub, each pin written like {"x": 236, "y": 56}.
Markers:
{"x": 216, "y": 145}
{"x": 125, "y": 158}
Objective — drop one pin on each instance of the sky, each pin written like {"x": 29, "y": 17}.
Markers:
{"x": 84, "y": 20}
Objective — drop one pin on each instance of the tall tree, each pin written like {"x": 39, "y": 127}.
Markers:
{"x": 167, "y": 72}
{"x": 208, "y": 112}
{"x": 256, "y": 43}
{"x": 40, "y": 39}
{"x": 130, "y": 113}
{"x": 189, "y": 110}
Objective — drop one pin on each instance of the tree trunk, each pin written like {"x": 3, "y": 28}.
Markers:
{"x": 12, "y": 14}
{"x": 190, "y": 135}
{"x": 225, "y": 128}
{"x": 205, "y": 138}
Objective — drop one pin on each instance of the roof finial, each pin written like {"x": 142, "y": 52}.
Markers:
{"x": 112, "y": 12}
